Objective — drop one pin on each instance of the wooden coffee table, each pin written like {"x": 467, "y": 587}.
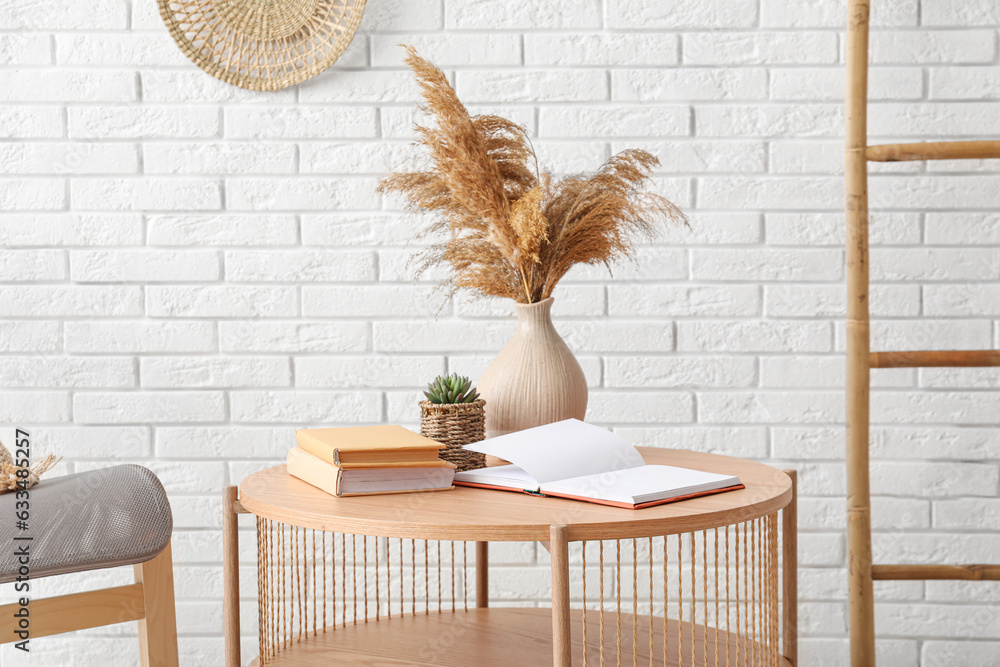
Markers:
{"x": 365, "y": 580}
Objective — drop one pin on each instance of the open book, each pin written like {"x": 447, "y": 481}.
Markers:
{"x": 573, "y": 459}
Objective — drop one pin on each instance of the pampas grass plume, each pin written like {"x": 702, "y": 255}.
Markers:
{"x": 512, "y": 232}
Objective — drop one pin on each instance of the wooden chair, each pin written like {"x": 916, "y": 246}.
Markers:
{"x": 860, "y": 360}
{"x": 106, "y": 518}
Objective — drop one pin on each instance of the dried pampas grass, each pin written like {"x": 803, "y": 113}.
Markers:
{"x": 13, "y": 480}
{"x": 511, "y": 231}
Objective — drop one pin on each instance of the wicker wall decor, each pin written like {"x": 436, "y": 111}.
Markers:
{"x": 455, "y": 425}
{"x": 262, "y": 44}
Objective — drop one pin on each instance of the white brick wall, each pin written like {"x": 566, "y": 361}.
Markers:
{"x": 189, "y": 270}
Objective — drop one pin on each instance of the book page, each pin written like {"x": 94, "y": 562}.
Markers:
{"x": 570, "y": 448}
{"x": 509, "y": 476}
{"x": 642, "y": 484}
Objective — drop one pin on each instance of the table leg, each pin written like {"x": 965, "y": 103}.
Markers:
{"x": 789, "y": 583}
{"x": 559, "y": 549}
{"x": 231, "y": 576}
{"x": 482, "y": 574}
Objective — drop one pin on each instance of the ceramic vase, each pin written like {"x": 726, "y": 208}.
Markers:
{"x": 535, "y": 379}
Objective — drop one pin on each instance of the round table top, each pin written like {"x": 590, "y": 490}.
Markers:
{"x": 486, "y": 515}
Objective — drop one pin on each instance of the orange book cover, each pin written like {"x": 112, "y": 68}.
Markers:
{"x": 367, "y": 444}
{"x": 331, "y": 478}
{"x": 598, "y": 501}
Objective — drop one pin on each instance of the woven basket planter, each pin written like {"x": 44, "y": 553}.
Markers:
{"x": 455, "y": 425}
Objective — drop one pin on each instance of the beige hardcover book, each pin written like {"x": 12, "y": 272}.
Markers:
{"x": 366, "y": 480}
{"x": 368, "y": 444}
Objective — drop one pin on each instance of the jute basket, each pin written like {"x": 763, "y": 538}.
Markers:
{"x": 455, "y": 425}
{"x": 262, "y": 44}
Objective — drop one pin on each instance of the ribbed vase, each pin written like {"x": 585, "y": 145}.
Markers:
{"x": 535, "y": 379}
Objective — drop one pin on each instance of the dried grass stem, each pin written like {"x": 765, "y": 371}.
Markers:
{"x": 512, "y": 232}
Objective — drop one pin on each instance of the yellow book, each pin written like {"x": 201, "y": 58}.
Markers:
{"x": 384, "y": 445}
{"x": 366, "y": 480}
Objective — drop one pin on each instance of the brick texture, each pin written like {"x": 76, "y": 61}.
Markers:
{"x": 189, "y": 270}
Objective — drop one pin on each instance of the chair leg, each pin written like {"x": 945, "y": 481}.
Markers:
{"x": 158, "y": 630}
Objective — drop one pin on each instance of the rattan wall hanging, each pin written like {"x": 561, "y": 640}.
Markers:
{"x": 262, "y": 44}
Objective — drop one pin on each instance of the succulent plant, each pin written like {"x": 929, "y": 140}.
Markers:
{"x": 452, "y": 388}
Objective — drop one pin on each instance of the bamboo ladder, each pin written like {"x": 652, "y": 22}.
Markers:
{"x": 860, "y": 360}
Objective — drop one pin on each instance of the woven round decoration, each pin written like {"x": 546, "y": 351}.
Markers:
{"x": 262, "y": 44}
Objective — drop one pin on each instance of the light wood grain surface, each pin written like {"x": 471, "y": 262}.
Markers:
{"x": 936, "y": 150}
{"x": 481, "y": 514}
{"x": 158, "y": 625}
{"x": 231, "y": 577}
{"x": 501, "y": 638}
{"x": 77, "y": 611}
{"x": 861, "y": 606}
{"x": 935, "y": 359}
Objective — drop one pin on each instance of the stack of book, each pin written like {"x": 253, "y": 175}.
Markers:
{"x": 364, "y": 460}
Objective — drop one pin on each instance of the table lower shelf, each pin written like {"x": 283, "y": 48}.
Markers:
{"x": 504, "y": 637}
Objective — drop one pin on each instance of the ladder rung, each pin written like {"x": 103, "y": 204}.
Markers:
{"x": 938, "y": 150}
{"x": 942, "y": 359}
{"x": 923, "y": 572}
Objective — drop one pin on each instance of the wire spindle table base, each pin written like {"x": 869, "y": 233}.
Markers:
{"x": 312, "y": 581}
{"x": 709, "y": 597}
